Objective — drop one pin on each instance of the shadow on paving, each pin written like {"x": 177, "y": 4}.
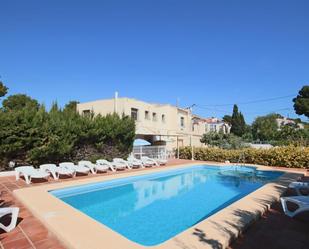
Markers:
{"x": 276, "y": 231}
{"x": 272, "y": 230}
{"x": 203, "y": 238}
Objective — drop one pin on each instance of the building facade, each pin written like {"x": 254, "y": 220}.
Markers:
{"x": 216, "y": 125}
{"x": 287, "y": 121}
{"x": 160, "y": 124}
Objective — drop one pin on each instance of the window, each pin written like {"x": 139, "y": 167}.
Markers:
{"x": 163, "y": 118}
{"x": 182, "y": 122}
{"x": 213, "y": 127}
{"x": 147, "y": 115}
{"x": 134, "y": 113}
{"x": 86, "y": 112}
{"x": 154, "y": 116}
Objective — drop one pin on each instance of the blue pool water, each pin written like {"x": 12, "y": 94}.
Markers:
{"x": 152, "y": 208}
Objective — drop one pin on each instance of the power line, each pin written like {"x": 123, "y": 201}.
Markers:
{"x": 245, "y": 112}
{"x": 252, "y": 101}
{"x": 212, "y": 109}
{"x": 273, "y": 111}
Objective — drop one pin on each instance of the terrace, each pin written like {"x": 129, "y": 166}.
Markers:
{"x": 31, "y": 233}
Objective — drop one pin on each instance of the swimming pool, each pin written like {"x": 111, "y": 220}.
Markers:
{"x": 150, "y": 209}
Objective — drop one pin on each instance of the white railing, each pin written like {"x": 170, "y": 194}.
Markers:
{"x": 152, "y": 151}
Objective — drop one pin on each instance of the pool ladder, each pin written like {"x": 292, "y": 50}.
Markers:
{"x": 241, "y": 158}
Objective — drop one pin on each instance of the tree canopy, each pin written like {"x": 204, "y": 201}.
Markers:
{"x": 265, "y": 128}
{"x": 238, "y": 122}
{"x": 30, "y": 133}
{"x": 19, "y": 102}
{"x": 71, "y": 106}
{"x": 301, "y": 102}
{"x": 221, "y": 140}
{"x": 227, "y": 119}
{"x": 3, "y": 89}
{"x": 291, "y": 134}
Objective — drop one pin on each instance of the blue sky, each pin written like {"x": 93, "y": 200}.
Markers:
{"x": 208, "y": 53}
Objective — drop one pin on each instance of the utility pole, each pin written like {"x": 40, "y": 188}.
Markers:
{"x": 190, "y": 108}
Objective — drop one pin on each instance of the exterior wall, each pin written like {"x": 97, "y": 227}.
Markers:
{"x": 153, "y": 129}
{"x": 286, "y": 121}
{"x": 217, "y": 126}
{"x": 102, "y": 107}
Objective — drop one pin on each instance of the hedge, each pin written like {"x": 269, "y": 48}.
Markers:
{"x": 285, "y": 156}
{"x": 36, "y": 136}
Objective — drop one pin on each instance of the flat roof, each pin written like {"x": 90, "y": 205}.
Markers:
{"x": 149, "y": 103}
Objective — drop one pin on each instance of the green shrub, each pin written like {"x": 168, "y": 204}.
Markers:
{"x": 35, "y": 136}
{"x": 286, "y": 156}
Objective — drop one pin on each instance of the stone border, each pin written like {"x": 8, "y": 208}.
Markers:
{"x": 7, "y": 173}
{"x": 77, "y": 230}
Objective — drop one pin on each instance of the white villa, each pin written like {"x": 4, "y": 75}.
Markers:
{"x": 160, "y": 124}
{"x": 216, "y": 125}
{"x": 287, "y": 121}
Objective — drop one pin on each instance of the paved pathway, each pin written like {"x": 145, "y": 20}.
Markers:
{"x": 31, "y": 233}
{"x": 276, "y": 231}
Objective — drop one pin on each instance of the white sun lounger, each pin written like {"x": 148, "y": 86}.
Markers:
{"x": 29, "y": 172}
{"x": 298, "y": 186}
{"x": 89, "y": 165}
{"x": 76, "y": 168}
{"x": 119, "y": 163}
{"x": 301, "y": 201}
{"x": 56, "y": 171}
{"x": 147, "y": 161}
{"x": 9, "y": 210}
{"x": 135, "y": 163}
{"x": 104, "y": 165}
{"x": 161, "y": 161}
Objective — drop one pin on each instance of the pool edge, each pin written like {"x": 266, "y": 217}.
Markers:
{"x": 63, "y": 217}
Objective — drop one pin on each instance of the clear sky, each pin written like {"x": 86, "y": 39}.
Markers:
{"x": 208, "y": 53}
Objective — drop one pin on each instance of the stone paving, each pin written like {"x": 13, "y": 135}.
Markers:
{"x": 31, "y": 233}
{"x": 275, "y": 231}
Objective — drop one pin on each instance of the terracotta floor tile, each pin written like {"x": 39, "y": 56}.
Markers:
{"x": 22, "y": 243}
{"x": 32, "y": 228}
{"x": 37, "y": 236}
{"x": 259, "y": 236}
{"x": 27, "y": 218}
{"x": 48, "y": 244}
{"x": 275, "y": 231}
{"x": 13, "y": 235}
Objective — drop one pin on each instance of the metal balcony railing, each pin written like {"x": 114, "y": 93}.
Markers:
{"x": 152, "y": 152}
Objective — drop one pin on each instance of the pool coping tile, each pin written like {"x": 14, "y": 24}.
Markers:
{"x": 77, "y": 230}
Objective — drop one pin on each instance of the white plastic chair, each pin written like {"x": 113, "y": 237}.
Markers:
{"x": 135, "y": 163}
{"x": 76, "y": 168}
{"x": 89, "y": 165}
{"x": 9, "y": 210}
{"x": 147, "y": 161}
{"x": 104, "y": 165}
{"x": 29, "y": 172}
{"x": 119, "y": 163}
{"x": 161, "y": 161}
{"x": 56, "y": 171}
{"x": 301, "y": 201}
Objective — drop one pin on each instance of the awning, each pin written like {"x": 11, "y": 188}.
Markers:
{"x": 140, "y": 142}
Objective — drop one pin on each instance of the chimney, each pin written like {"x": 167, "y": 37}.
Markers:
{"x": 115, "y": 102}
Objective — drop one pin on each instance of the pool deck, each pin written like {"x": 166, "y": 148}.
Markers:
{"x": 87, "y": 233}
